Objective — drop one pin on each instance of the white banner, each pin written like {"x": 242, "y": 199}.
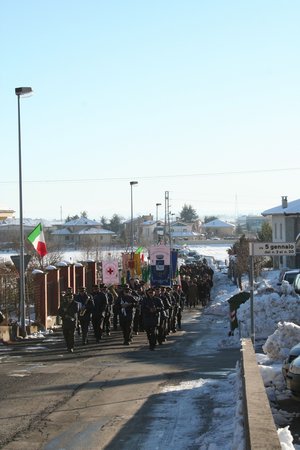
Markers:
{"x": 110, "y": 272}
{"x": 160, "y": 255}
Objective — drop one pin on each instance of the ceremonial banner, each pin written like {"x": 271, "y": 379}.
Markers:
{"x": 174, "y": 259}
{"x": 137, "y": 264}
{"x": 160, "y": 259}
{"x": 110, "y": 272}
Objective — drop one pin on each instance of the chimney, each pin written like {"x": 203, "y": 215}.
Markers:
{"x": 284, "y": 202}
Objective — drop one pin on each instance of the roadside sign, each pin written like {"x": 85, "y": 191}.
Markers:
{"x": 272, "y": 248}
{"x": 265, "y": 249}
{"x": 16, "y": 260}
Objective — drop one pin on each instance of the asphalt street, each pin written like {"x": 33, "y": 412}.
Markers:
{"x": 101, "y": 396}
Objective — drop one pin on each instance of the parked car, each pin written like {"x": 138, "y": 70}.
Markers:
{"x": 296, "y": 284}
{"x": 293, "y": 377}
{"x": 293, "y": 354}
{"x": 192, "y": 253}
{"x": 289, "y": 275}
{"x": 190, "y": 260}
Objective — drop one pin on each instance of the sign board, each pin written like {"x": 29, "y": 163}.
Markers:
{"x": 16, "y": 260}
{"x": 272, "y": 248}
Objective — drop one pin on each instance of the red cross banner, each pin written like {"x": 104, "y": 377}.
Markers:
{"x": 110, "y": 272}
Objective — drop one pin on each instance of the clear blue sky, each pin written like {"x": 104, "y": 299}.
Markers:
{"x": 198, "y": 98}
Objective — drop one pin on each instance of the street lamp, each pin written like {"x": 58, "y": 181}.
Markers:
{"x": 157, "y": 205}
{"x": 20, "y": 91}
{"x": 132, "y": 183}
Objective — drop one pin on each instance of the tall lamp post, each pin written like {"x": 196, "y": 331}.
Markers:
{"x": 20, "y": 91}
{"x": 132, "y": 183}
{"x": 157, "y": 205}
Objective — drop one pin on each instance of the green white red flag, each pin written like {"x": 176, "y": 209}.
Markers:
{"x": 37, "y": 238}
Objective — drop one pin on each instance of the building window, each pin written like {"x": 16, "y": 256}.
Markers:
{"x": 280, "y": 231}
{"x": 275, "y": 231}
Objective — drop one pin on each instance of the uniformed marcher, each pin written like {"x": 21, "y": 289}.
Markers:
{"x": 68, "y": 311}
{"x": 151, "y": 309}
{"x": 162, "y": 329}
{"x": 98, "y": 314}
{"x": 113, "y": 292}
{"x": 178, "y": 305}
{"x": 86, "y": 308}
{"x": 165, "y": 297}
{"x": 108, "y": 311}
{"x": 172, "y": 310}
{"x": 125, "y": 305}
{"x": 138, "y": 294}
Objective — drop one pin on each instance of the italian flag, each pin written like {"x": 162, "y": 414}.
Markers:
{"x": 37, "y": 238}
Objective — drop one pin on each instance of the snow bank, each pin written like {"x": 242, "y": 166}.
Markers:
{"x": 286, "y": 439}
{"x": 269, "y": 308}
{"x": 278, "y": 344}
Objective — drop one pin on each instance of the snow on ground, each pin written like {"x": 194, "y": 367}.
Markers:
{"x": 275, "y": 310}
{"x": 190, "y": 429}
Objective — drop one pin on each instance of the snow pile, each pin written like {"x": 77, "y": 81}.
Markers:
{"x": 278, "y": 344}
{"x": 286, "y": 439}
{"x": 264, "y": 285}
{"x": 272, "y": 375}
{"x": 218, "y": 308}
{"x": 286, "y": 288}
{"x": 269, "y": 309}
{"x": 275, "y": 311}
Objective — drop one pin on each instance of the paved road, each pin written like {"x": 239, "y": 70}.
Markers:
{"x": 103, "y": 395}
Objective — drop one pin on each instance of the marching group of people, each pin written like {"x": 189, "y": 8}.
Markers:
{"x": 197, "y": 281}
{"x": 156, "y": 310}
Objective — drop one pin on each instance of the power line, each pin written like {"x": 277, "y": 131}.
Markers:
{"x": 149, "y": 177}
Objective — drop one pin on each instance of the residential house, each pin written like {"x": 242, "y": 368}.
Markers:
{"x": 82, "y": 232}
{"x": 181, "y": 231}
{"x": 285, "y": 220}
{"x": 146, "y": 231}
{"x": 218, "y": 228}
{"x": 140, "y": 228}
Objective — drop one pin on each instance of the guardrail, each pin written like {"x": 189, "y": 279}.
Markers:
{"x": 260, "y": 429}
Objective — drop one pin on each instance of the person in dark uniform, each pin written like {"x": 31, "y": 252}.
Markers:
{"x": 151, "y": 309}
{"x": 173, "y": 310}
{"x": 125, "y": 305}
{"x": 114, "y": 293}
{"x": 98, "y": 313}
{"x": 178, "y": 301}
{"x": 138, "y": 294}
{"x": 108, "y": 311}
{"x": 162, "y": 293}
{"x": 86, "y": 308}
{"x": 68, "y": 311}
